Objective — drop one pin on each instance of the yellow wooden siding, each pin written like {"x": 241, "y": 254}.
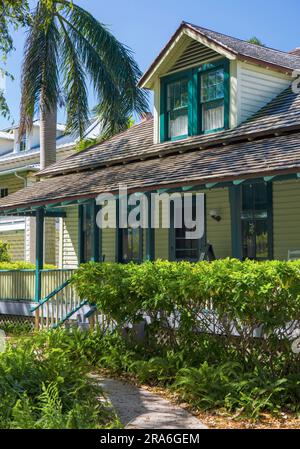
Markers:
{"x": 12, "y": 183}
{"x": 162, "y": 244}
{"x": 109, "y": 234}
{"x": 161, "y": 241}
{"x": 219, "y": 232}
{"x": 16, "y": 244}
{"x": 109, "y": 244}
{"x": 50, "y": 241}
{"x": 286, "y": 218}
{"x": 70, "y": 238}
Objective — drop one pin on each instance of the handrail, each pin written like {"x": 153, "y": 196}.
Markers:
{"x": 63, "y": 320}
{"x": 53, "y": 293}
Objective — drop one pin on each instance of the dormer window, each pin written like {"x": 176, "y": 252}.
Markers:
{"x": 195, "y": 101}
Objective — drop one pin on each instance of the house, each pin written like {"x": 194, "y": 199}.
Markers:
{"x": 226, "y": 123}
{"x": 19, "y": 161}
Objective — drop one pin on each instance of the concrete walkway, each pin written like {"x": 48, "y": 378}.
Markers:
{"x": 138, "y": 408}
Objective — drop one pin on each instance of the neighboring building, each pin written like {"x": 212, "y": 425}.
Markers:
{"x": 226, "y": 123}
{"x": 19, "y": 162}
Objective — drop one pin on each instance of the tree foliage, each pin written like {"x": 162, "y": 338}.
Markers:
{"x": 13, "y": 13}
{"x": 67, "y": 48}
{"x": 255, "y": 40}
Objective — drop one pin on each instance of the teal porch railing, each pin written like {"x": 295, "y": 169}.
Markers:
{"x": 60, "y": 304}
{"x": 58, "y": 300}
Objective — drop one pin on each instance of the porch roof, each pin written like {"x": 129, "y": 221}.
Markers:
{"x": 265, "y": 157}
{"x": 280, "y": 115}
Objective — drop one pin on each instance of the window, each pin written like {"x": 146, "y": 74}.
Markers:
{"x": 23, "y": 143}
{"x": 181, "y": 247}
{"x": 212, "y": 100}
{"x": 177, "y": 109}
{"x": 256, "y": 221}
{"x": 132, "y": 248}
{"x": 195, "y": 101}
{"x": 3, "y": 193}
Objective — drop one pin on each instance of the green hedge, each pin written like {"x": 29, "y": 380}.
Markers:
{"x": 21, "y": 266}
{"x": 244, "y": 309}
{"x": 4, "y": 254}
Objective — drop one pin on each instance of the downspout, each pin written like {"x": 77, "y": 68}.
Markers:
{"x": 22, "y": 178}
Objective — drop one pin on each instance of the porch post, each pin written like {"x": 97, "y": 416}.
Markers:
{"x": 39, "y": 251}
{"x": 96, "y": 233}
{"x": 150, "y": 232}
{"x": 118, "y": 247}
{"x": 236, "y": 222}
{"x": 80, "y": 235}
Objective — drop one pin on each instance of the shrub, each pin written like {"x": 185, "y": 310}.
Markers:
{"x": 4, "y": 255}
{"x": 246, "y": 311}
{"x": 21, "y": 266}
{"x": 227, "y": 385}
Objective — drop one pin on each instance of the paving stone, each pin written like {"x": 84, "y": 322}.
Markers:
{"x": 139, "y": 408}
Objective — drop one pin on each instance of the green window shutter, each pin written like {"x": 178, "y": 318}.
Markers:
{"x": 226, "y": 94}
{"x": 163, "y": 115}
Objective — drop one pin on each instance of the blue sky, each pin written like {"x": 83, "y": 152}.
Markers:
{"x": 146, "y": 26}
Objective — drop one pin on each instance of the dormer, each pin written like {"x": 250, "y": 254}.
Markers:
{"x": 205, "y": 82}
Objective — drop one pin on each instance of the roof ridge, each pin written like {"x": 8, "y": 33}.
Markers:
{"x": 239, "y": 39}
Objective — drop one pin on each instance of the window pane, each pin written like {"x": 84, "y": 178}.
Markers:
{"x": 212, "y": 85}
{"x": 186, "y": 249}
{"x": 212, "y": 116}
{"x": 186, "y": 255}
{"x": 131, "y": 244}
{"x": 260, "y": 201}
{"x": 3, "y": 193}
{"x": 261, "y": 239}
{"x": 248, "y": 233}
{"x": 255, "y": 221}
{"x": 178, "y": 123}
{"x": 177, "y": 107}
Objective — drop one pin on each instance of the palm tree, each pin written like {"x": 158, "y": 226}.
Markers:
{"x": 255, "y": 40}
{"x": 65, "y": 48}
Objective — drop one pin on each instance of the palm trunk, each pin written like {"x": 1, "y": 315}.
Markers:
{"x": 48, "y": 121}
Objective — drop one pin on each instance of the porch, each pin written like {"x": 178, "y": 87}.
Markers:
{"x": 257, "y": 218}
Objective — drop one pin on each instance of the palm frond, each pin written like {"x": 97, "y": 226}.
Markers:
{"x": 111, "y": 65}
{"x": 74, "y": 85}
{"x": 67, "y": 46}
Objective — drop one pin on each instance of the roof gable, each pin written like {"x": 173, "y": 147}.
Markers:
{"x": 227, "y": 46}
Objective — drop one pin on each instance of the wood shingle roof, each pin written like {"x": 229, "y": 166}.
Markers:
{"x": 269, "y": 156}
{"x": 281, "y": 113}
